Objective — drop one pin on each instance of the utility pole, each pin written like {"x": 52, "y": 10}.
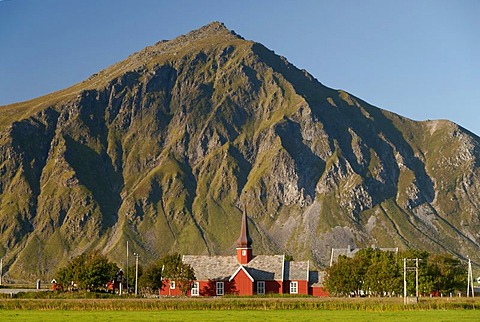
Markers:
{"x": 1, "y": 270}
{"x": 470, "y": 279}
{"x": 410, "y": 268}
{"x": 405, "y": 281}
{"x": 416, "y": 278}
{"x": 128, "y": 291}
{"x": 136, "y": 272}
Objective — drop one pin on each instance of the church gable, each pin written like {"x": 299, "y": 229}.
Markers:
{"x": 241, "y": 271}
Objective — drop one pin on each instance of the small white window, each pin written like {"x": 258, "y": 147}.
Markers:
{"x": 244, "y": 252}
{"x": 220, "y": 288}
{"x": 172, "y": 285}
{"x": 195, "y": 288}
{"x": 293, "y": 287}
{"x": 260, "y": 287}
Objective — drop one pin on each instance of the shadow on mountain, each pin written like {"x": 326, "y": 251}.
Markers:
{"x": 308, "y": 166}
{"x": 378, "y": 131}
{"x": 95, "y": 171}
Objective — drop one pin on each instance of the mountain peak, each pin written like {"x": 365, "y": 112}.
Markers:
{"x": 210, "y": 35}
{"x": 164, "y": 143}
{"x": 214, "y": 29}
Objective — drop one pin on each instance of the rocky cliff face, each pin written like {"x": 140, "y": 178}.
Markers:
{"x": 164, "y": 148}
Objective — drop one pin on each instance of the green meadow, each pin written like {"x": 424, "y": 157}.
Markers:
{"x": 296, "y": 315}
{"x": 236, "y": 309}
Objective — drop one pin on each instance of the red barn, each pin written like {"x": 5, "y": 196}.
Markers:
{"x": 245, "y": 274}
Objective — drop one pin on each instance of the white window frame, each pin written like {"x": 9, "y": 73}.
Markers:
{"x": 293, "y": 287}
{"x": 220, "y": 288}
{"x": 261, "y": 287}
{"x": 195, "y": 289}
{"x": 172, "y": 285}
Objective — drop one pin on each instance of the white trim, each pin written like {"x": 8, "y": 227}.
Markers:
{"x": 195, "y": 286}
{"x": 238, "y": 270}
{"x": 293, "y": 287}
{"x": 283, "y": 267}
{"x": 222, "y": 288}
{"x": 308, "y": 272}
{"x": 258, "y": 287}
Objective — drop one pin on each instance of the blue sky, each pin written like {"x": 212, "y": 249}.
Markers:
{"x": 416, "y": 58}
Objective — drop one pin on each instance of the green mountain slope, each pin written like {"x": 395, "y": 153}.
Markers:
{"x": 164, "y": 148}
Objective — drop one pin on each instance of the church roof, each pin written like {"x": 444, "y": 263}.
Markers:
{"x": 296, "y": 271}
{"x": 260, "y": 268}
{"x": 266, "y": 267}
{"x": 215, "y": 268}
{"x": 244, "y": 241}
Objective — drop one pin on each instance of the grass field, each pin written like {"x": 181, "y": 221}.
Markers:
{"x": 239, "y": 315}
{"x": 114, "y": 308}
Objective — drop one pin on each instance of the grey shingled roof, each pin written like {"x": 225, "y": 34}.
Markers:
{"x": 265, "y": 267}
{"x": 215, "y": 268}
{"x": 260, "y": 268}
{"x": 296, "y": 271}
{"x": 337, "y": 252}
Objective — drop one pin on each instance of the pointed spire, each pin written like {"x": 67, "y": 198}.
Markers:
{"x": 244, "y": 241}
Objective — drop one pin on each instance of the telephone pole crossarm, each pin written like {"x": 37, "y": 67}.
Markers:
{"x": 410, "y": 269}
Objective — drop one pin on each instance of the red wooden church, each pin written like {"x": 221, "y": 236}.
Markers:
{"x": 246, "y": 274}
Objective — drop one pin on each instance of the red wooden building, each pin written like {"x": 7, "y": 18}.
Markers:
{"x": 246, "y": 274}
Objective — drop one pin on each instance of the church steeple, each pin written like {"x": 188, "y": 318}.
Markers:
{"x": 244, "y": 242}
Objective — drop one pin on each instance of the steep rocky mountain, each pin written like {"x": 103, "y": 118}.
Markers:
{"x": 164, "y": 148}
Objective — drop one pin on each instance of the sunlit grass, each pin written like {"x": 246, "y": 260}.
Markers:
{"x": 239, "y": 315}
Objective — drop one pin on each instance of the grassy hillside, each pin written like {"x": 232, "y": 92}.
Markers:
{"x": 164, "y": 148}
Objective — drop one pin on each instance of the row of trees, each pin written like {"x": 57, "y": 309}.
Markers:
{"x": 377, "y": 273}
{"x": 92, "y": 272}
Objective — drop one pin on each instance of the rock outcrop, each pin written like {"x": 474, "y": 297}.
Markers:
{"x": 164, "y": 149}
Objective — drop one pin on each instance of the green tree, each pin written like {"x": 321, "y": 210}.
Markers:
{"x": 175, "y": 270}
{"x": 344, "y": 277}
{"x": 151, "y": 278}
{"x": 423, "y": 274}
{"x": 87, "y": 271}
{"x": 450, "y": 274}
{"x": 383, "y": 274}
{"x": 132, "y": 275}
{"x": 168, "y": 268}
{"x": 380, "y": 273}
{"x": 370, "y": 271}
